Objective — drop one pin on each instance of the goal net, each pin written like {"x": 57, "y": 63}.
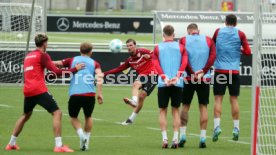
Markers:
{"x": 264, "y": 79}
{"x": 15, "y": 23}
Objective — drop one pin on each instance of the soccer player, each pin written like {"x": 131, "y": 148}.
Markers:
{"x": 82, "y": 91}
{"x": 229, "y": 41}
{"x": 170, "y": 59}
{"x": 201, "y": 55}
{"x": 141, "y": 60}
{"x": 36, "y": 92}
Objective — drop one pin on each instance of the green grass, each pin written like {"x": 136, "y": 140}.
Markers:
{"x": 111, "y": 138}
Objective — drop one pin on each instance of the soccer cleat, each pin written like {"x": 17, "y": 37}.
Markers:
{"x": 83, "y": 143}
{"x": 202, "y": 143}
{"x": 130, "y": 102}
{"x": 63, "y": 148}
{"x": 235, "y": 133}
{"x": 182, "y": 141}
{"x": 174, "y": 145}
{"x": 217, "y": 132}
{"x": 12, "y": 147}
{"x": 127, "y": 122}
{"x": 165, "y": 144}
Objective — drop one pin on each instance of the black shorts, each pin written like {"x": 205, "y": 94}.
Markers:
{"x": 232, "y": 81}
{"x": 202, "y": 90}
{"x": 45, "y": 100}
{"x": 148, "y": 83}
{"x": 167, "y": 93}
{"x": 75, "y": 104}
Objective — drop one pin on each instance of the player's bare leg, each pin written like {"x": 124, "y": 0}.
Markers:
{"x": 137, "y": 109}
{"x": 176, "y": 125}
{"x": 77, "y": 126}
{"x": 163, "y": 126}
{"x": 203, "y": 124}
{"x": 235, "y": 115}
{"x": 57, "y": 122}
{"x": 217, "y": 114}
{"x": 184, "y": 116}
{"x": 135, "y": 92}
{"x": 17, "y": 130}
{"x": 87, "y": 130}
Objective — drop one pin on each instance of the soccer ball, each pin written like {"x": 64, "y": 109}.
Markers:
{"x": 115, "y": 45}
{"x": 19, "y": 36}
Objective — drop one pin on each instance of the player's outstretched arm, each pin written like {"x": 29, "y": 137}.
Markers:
{"x": 122, "y": 67}
{"x": 99, "y": 76}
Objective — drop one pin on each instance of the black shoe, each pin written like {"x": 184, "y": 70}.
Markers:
{"x": 181, "y": 142}
{"x": 127, "y": 122}
{"x": 165, "y": 145}
{"x": 174, "y": 145}
{"x": 202, "y": 145}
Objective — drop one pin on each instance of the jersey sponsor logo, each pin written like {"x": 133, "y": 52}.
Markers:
{"x": 63, "y": 24}
{"x": 29, "y": 68}
{"x": 30, "y": 56}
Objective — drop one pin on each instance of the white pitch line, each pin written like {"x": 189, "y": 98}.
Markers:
{"x": 4, "y": 105}
{"x": 157, "y": 129}
{"x": 111, "y": 136}
{"x": 240, "y": 142}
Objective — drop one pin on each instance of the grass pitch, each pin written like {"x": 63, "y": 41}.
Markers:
{"x": 108, "y": 137}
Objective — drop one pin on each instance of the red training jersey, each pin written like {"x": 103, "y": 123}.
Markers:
{"x": 138, "y": 62}
{"x": 34, "y": 64}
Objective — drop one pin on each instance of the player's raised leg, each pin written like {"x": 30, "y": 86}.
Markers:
{"x": 135, "y": 92}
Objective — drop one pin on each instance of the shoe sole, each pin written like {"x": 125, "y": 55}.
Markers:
{"x": 129, "y": 103}
{"x": 215, "y": 137}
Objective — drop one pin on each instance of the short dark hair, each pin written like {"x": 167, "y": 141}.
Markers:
{"x": 192, "y": 26}
{"x": 40, "y": 39}
{"x": 231, "y": 19}
{"x": 85, "y": 47}
{"x": 168, "y": 30}
{"x": 131, "y": 40}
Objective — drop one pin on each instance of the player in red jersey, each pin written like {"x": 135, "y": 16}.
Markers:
{"x": 141, "y": 60}
{"x": 36, "y": 92}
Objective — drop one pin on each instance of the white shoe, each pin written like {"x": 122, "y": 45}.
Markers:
{"x": 127, "y": 122}
{"x": 83, "y": 143}
{"x": 130, "y": 102}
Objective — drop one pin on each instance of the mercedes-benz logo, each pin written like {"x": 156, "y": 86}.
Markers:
{"x": 63, "y": 24}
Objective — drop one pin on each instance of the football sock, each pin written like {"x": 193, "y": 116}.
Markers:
{"x": 182, "y": 130}
{"x": 216, "y": 122}
{"x": 175, "y": 136}
{"x": 58, "y": 141}
{"x": 80, "y": 132}
{"x": 236, "y": 123}
{"x": 135, "y": 98}
{"x": 133, "y": 116}
{"x": 164, "y": 136}
{"x": 202, "y": 133}
{"x": 12, "y": 140}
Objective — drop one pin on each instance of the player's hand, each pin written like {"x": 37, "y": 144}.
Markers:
{"x": 100, "y": 99}
{"x": 79, "y": 66}
{"x": 146, "y": 56}
{"x": 199, "y": 74}
{"x": 167, "y": 82}
{"x": 174, "y": 80}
